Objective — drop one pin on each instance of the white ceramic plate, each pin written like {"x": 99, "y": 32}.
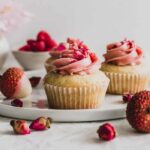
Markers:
{"x": 112, "y": 108}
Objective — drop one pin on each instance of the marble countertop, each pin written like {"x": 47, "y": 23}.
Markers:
{"x": 66, "y": 136}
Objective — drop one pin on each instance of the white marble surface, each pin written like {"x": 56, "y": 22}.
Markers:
{"x": 66, "y": 136}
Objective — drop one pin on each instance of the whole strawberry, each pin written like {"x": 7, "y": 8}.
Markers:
{"x": 44, "y": 36}
{"x": 138, "y": 111}
{"x": 43, "y": 42}
{"x": 15, "y": 84}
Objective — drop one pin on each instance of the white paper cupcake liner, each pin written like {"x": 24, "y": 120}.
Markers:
{"x": 75, "y": 98}
{"x": 127, "y": 83}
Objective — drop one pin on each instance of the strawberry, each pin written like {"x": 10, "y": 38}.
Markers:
{"x": 30, "y": 41}
{"x": 44, "y": 36}
{"x": 32, "y": 44}
{"x": 15, "y": 84}
{"x": 44, "y": 42}
{"x": 40, "y": 46}
{"x": 138, "y": 111}
{"x": 51, "y": 43}
{"x": 25, "y": 48}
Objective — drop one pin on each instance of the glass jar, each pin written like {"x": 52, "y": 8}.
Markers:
{"x": 4, "y": 49}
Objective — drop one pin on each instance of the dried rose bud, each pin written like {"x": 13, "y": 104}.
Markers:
{"x": 41, "y": 123}
{"x": 34, "y": 81}
{"x": 20, "y": 127}
{"x": 106, "y": 132}
{"x": 126, "y": 98}
{"x": 17, "y": 103}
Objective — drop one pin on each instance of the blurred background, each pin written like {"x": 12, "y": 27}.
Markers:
{"x": 96, "y": 22}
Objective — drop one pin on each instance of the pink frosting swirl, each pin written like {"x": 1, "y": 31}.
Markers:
{"x": 74, "y": 57}
{"x": 123, "y": 53}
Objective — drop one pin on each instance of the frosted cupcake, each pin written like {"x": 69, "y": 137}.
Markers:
{"x": 125, "y": 68}
{"x": 55, "y": 54}
{"x": 74, "y": 80}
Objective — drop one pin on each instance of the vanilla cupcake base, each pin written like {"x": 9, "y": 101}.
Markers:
{"x": 74, "y": 98}
{"x": 48, "y": 64}
{"x": 76, "y": 91}
{"x": 128, "y": 79}
{"x": 126, "y": 83}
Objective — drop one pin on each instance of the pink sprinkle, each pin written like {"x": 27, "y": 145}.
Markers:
{"x": 78, "y": 55}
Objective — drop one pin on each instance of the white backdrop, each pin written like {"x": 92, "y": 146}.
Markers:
{"x": 97, "y": 22}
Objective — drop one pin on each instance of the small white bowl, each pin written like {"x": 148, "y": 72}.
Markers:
{"x": 31, "y": 60}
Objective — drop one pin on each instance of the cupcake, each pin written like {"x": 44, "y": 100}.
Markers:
{"x": 125, "y": 67}
{"x": 73, "y": 80}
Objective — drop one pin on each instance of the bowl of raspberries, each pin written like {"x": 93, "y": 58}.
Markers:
{"x": 33, "y": 54}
